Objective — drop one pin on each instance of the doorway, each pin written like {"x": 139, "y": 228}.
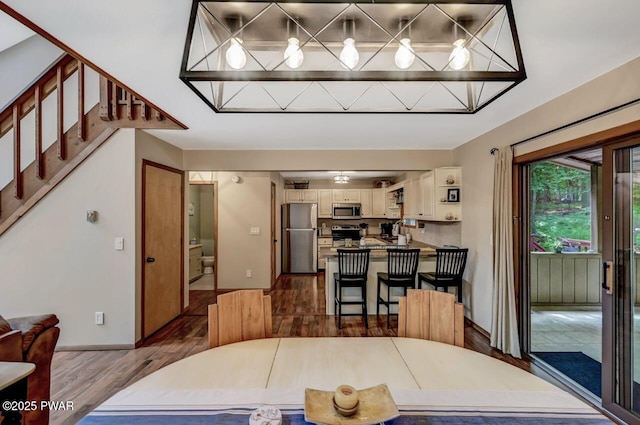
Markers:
{"x": 621, "y": 277}
{"x": 580, "y": 290}
{"x": 202, "y": 236}
{"x": 203, "y": 246}
{"x": 564, "y": 259}
{"x": 162, "y": 236}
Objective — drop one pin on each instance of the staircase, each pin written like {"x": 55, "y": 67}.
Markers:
{"x": 55, "y": 124}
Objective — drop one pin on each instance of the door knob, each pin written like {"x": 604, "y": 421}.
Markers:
{"x": 150, "y": 260}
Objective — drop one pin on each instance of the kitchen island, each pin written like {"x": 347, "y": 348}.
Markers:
{"x": 377, "y": 263}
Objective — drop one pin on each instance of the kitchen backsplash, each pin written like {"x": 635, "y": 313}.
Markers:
{"x": 435, "y": 233}
{"x": 439, "y": 233}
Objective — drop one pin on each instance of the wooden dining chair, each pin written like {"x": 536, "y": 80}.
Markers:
{"x": 402, "y": 266}
{"x": 450, "y": 264}
{"x": 431, "y": 315}
{"x": 240, "y": 316}
{"x": 353, "y": 266}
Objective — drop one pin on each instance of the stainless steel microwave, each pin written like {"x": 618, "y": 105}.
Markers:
{"x": 347, "y": 211}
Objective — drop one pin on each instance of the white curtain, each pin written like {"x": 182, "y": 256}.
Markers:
{"x": 504, "y": 325}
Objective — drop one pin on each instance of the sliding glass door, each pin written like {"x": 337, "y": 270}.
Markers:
{"x": 621, "y": 277}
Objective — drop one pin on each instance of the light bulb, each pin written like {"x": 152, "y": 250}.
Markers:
{"x": 404, "y": 55}
{"x": 293, "y": 54}
{"x": 459, "y": 57}
{"x": 236, "y": 58}
{"x": 349, "y": 56}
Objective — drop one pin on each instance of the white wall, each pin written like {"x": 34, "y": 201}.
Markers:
{"x": 613, "y": 88}
{"x": 53, "y": 261}
{"x": 21, "y": 63}
{"x": 310, "y": 160}
{"x": 241, "y": 206}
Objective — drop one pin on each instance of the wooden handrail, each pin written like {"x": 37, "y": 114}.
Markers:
{"x": 47, "y": 81}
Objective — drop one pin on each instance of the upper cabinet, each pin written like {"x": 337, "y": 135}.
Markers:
{"x": 448, "y": 205}
{"x": 379, "y": 203}
{"x": 366, "y": 199}
{"x": 418, "y": 197}
{"x": 346, "y": 195}
{"x": 325, "y": 203}
{"x": 293, "y": 196}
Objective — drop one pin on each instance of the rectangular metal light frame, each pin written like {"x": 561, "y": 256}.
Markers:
{"x": 516, "y": 77}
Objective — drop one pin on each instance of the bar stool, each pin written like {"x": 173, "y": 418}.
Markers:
{"x": 450, "y": 265}
{"x": 353, "y": 266}
{"x": 402, "y": 266}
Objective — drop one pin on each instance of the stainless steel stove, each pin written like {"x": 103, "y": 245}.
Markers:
{"x": 345, "y": 231}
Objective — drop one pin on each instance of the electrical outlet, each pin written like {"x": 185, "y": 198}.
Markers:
{"x": 99, "y": 318}
{"x": 248, "y": 272}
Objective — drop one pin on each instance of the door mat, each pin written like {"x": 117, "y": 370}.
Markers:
{"x": 582, "y": 369}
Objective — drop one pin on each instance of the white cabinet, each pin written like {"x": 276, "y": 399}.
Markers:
{"x": 448, "y": 181}
{"x": 346, "y": 195}
{"x": 379, "y": 203}
{"x": 427, "y": 191}
{"x": 323, "y": 242}
{"x": 292, "y": 196}
{"x": 393, "y": 208}
{"x": 412, "y": 198}
{"x": 195, "y": 262}
{"x": 325, "y": 203}
{"x": 366, "y": 203}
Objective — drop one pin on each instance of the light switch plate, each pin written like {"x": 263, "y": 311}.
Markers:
{"x": 119, "y": 244}
{"x": 255, "y": 231}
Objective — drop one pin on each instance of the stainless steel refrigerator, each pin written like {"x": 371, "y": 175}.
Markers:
{"x": 299, "y": 238}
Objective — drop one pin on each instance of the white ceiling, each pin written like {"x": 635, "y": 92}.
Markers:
{"x": 564, "y": 43}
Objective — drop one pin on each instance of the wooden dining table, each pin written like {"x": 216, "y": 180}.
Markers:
{"x": 430, "y": 382}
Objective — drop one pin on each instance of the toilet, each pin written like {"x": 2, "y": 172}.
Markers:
{"x": 207, "y": 264}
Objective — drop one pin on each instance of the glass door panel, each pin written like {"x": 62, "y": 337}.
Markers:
{"x": 621, "y": 269}
{"x": 564, "y": 267}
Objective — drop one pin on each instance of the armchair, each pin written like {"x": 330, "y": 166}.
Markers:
{"x": 32, "y": 339}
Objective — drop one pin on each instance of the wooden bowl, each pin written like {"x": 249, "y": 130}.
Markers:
{"x": 346, "y": 412}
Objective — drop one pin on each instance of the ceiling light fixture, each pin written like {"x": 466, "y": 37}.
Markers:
{"x": 460, "y": 56}
{"x": 404, "y": 55}
{"x": 349, "y": 56}
{"x": 293, "y": 55}
{"x": 341, "y": 178}
{"x": 235, "y": 56}
{"x": 356, "y": 59}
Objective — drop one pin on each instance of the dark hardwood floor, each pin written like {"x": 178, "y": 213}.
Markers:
{"x": 88, "y": 378}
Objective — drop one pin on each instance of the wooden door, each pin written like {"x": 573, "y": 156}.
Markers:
{"x": 273, "y": 234}
{"x": 162, "y": 249}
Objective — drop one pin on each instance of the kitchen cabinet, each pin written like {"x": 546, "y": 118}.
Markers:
{"x": 427, "y": 191}
{"x": 412, "y": 198}
{"x": 325, "y": 203}
{"x": 447, "y": 196}
{"x": 379, "y": 203}
{"x": 365, "y": 202}
{"x": 393, "y": 208}
{"x": 346, "y": 195}
{"x": 195, "y": 262}
{"x": 294, "y": 196}
{"x": 418, "y": 198}
{"x": 323, "y": 242}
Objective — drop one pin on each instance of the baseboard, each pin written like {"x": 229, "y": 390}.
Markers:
{"x": 225, "y": 290}
{"x": 95, "y": 347}
{"x": 471, "y": 323}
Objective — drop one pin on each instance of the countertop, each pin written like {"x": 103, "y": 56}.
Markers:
{"x": 198, "y": 245}
{"x": 378, "y": 248}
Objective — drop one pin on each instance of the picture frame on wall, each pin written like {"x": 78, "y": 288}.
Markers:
{"x": 453, "y": 195}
